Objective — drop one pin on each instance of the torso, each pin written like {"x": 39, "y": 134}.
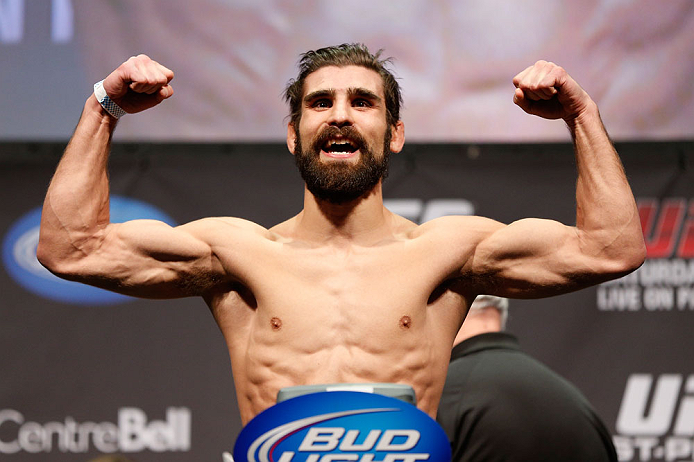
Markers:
{"x": 315, "y": 314}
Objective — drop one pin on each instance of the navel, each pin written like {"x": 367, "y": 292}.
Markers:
{"x": 405, "y": 322}
{"x": 276, "y": 323}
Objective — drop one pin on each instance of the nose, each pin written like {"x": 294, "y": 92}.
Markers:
{"x": 340, "y": 114}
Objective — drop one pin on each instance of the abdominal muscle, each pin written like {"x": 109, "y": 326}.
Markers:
{"x": 277, "y": 350}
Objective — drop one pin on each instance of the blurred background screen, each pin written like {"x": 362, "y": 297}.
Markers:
{"x": 455, "y": 61}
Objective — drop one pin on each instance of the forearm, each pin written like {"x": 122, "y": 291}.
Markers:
{"x": 76, "y": 205}
{"x": 606, "y": 213}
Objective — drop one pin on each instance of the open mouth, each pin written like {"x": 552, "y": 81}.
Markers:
{"x": 339, "y": 147}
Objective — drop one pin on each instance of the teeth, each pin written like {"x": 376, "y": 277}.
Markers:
{"x": 340, "y": 145}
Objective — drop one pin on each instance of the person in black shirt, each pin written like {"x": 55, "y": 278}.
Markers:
{"x": 499, "y": 404}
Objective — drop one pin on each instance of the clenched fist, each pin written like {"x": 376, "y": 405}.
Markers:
{"x": 139, "y": 83}
{"x": 547, "y": 90}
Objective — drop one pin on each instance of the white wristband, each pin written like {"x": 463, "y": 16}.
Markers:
{"x": 107, "y": 103}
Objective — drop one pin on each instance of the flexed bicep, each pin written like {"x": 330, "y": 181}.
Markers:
{"x": 534, "y": 257}
{"x": 145, "y": 258}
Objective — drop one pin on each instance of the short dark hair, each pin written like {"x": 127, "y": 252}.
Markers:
{"x": 347, "y": 54}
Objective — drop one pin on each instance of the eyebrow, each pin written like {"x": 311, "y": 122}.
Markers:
{"x": 364, "y": 93}
{"x": 351, "y": 92}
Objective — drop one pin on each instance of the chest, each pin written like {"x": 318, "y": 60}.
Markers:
{"x": 351, "y": 278}
{"x": 361, "y": 290}
{"x": 327, "y": 299}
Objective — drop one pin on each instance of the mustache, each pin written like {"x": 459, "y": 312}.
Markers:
{"x": 348, "y": 133}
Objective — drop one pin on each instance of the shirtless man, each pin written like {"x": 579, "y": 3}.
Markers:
{"x": 345, "y": 291}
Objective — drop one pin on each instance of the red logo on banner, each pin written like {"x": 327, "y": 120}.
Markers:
{"x": 665, "y": 282}
{"x": 662, "y": 224}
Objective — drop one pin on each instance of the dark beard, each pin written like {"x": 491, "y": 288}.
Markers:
{"x": 340, "y": 182}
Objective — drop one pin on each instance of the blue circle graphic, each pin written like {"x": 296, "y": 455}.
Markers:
{"x": 342, "y": 426}
{"x": 19, "y": 256}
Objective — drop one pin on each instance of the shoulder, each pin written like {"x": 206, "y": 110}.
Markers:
{"x": 457, "y": 227}
{"x": 211, "y": 227}
{"x": 448, "y": 242}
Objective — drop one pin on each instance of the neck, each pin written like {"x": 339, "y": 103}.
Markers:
{"x": 362, "y": 220}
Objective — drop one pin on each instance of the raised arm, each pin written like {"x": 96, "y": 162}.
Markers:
{"x": 77, "y": 240}
{"x": 533, "y": 257}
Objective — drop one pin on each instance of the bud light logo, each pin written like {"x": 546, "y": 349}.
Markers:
{"x": 19, "y": 256}
{"x": 341, "y": 426}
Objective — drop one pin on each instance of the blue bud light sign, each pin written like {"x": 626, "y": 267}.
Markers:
{"x": 342, "y": 426}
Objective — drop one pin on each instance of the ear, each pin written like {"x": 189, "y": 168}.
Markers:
{"x": 291, "y": 137}
{"x": 397, "y": 139}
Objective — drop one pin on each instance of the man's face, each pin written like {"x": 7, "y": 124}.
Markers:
{"x": 343, "y": 140}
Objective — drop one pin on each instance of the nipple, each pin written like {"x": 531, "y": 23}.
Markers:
{"x": 276, "y": 323}
{"x": 405, "y": 322}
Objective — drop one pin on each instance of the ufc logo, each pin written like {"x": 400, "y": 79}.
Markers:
{"x": 668, "y": 227}
{"x": 654, "y": 405}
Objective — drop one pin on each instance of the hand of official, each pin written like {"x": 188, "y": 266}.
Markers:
{"x": 139, "y": 83}
{"x": 546, "y": 90}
